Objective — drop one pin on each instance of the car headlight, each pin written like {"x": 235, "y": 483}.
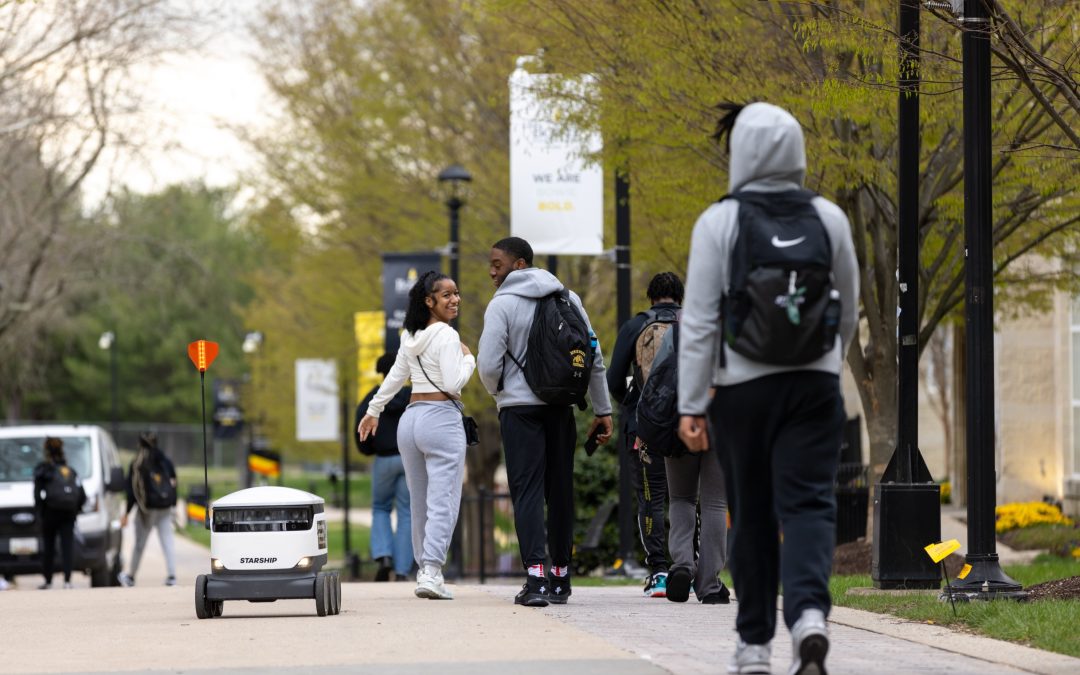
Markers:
{"x": 216, "y": 564}
{"x": 305, "y": 562}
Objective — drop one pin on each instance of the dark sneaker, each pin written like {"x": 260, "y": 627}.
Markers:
{"x": 559, "y": 592}
{"x": 720, "y": 597}
{"x": 679, "y": 580}
{"x": 656, "y": 585}
{"x": 533, "y": 593}
{"x": 386, "y": 566}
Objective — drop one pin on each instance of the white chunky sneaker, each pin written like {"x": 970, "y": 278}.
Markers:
{"x": 750, "y": 659}
{"x": 429, "y": 584}
{"x": 809, "y": 643}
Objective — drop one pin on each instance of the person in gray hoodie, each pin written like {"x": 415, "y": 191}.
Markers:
{"x": 538, "y": 439}
{"x": 778, "y": 427}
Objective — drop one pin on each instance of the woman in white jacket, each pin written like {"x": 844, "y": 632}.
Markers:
{"x": 431, "y": 437}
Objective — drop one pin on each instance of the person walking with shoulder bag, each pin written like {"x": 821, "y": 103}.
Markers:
{"x": 432, "y": 431}
{"x": 151, "y": 492}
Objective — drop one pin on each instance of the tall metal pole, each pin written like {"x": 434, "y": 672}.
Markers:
{"x": 908, "y": 242}
{"x": 454, "y": 205}
{"x": 114, "y": 385}
{"x": 986, "y": 577}
{"x": 907, "y": 503}
{"x": 627, "y": 505}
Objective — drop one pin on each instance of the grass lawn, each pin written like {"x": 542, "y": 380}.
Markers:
{"x": 1046, "y": 624}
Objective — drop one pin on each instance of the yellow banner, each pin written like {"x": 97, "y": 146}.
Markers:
{"x": 264, "y": 466}
{"x": 939, "y": 552}
{"x": 370, "y": 330}
{"x": 196, "y": 513}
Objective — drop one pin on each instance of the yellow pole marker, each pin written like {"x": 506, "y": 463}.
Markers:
{"x": 964, "y": 571}
{"x": 939, "y": 552}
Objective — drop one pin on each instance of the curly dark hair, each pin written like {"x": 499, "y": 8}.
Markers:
{"x": 54, "y": 449}
{"x": 665, "y": 285}
{"x": 517, "y": 248}
{"x": 728, "y": 112}
{"x": 418, "y": 314}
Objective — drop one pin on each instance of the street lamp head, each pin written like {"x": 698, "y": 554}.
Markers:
{"x": 106, "y": 340}
{"x": 456, "y": 176}
{"x": 252, "y": 342}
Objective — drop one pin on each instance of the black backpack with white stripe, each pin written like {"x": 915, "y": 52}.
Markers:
{"x": 780, "y": 306}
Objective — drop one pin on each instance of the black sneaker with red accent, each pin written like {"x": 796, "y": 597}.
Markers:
{"x": 559, "y": 591}
{"x": 533, "y": 593}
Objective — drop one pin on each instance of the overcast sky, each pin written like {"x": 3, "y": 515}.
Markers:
{"x": 192, "y": 100}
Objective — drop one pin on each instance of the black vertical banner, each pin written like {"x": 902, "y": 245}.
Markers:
{"x": 400, "y": 271}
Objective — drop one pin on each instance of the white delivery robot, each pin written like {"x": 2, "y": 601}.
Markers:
{"x": 267, "y": 544}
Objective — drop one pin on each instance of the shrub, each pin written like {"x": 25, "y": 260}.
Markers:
{"x": 1026, "y": 514}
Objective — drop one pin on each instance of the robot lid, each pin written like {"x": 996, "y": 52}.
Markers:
{"x": 269, "y": 495}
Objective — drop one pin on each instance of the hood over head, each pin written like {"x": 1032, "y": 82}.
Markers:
{"x": 766, "y": 145}
{"x": 414, "y": 344}
{"x": 531, "y": 282}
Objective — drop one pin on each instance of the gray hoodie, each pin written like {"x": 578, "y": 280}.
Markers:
{"x": 767, "y": 155}
{"x": 507, "y": 322}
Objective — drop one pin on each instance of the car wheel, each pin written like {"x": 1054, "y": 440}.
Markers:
{"x": 218, "y": 606}
{"x": 202, "y": 605}
{"x": 322, "y": 603}
{"x": 337, "y": 593}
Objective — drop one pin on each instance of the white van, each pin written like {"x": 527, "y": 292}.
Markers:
{"x": 91, "y": 452}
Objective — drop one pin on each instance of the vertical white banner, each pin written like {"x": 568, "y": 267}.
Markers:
{"x": 556, "y": 200}
{"x": 317, "y": 400}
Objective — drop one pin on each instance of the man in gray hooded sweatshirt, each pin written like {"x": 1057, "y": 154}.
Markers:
{"x": 538, "y": 439}
{"x": 778, "y": 427}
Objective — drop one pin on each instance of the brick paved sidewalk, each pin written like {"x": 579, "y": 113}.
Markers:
{"x": 690, "y": 638}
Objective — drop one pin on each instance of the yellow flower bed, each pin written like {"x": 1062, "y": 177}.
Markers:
{"x": 1026, "y": 514}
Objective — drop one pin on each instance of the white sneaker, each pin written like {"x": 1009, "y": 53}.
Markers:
{"x": 67, "y": 584}
{"x": 429, "y": 584}
{"x": 4, "y": 584}
{"x": 750, "y": 659}
{"x": 125, "y": 579}
{"x": 809, "y": 643}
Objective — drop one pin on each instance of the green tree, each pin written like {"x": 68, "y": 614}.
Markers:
{"x": 661, "y": 68}
{"x": 174, "y": 274}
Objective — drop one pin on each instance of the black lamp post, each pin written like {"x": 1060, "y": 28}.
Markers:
{"x": 107, "y": 341}
{"x": 456, "y": 176}
{"x": 986, "y": 579}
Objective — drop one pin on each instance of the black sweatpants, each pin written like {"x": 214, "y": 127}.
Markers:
{"x": 55, "y": 523}
{"x": 779, "y": 438}
{"x": 539, "y": 442}
{"x": 650, "y": 485}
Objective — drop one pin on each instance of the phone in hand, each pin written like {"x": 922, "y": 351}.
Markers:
{"x": 593, "y": 441}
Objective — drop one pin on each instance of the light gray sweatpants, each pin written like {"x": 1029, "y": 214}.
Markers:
{"x": 161, "y": 519}
{"x": 690, "y": 478}
{"x": 431, "y": 440}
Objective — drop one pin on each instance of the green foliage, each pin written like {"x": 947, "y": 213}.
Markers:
{"x": 596, "y": 482}
{"x": 661, "y": 67}
{"x": 173, "y": 275}
{"x": 1046, "y": 624}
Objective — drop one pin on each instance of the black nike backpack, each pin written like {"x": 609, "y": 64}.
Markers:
{"x": 160, "y": 491}
{"x": 560, "y": 352}
{"x": 780, "y": 306}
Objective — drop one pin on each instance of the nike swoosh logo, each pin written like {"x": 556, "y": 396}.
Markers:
{"x": 785, "y": 243}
